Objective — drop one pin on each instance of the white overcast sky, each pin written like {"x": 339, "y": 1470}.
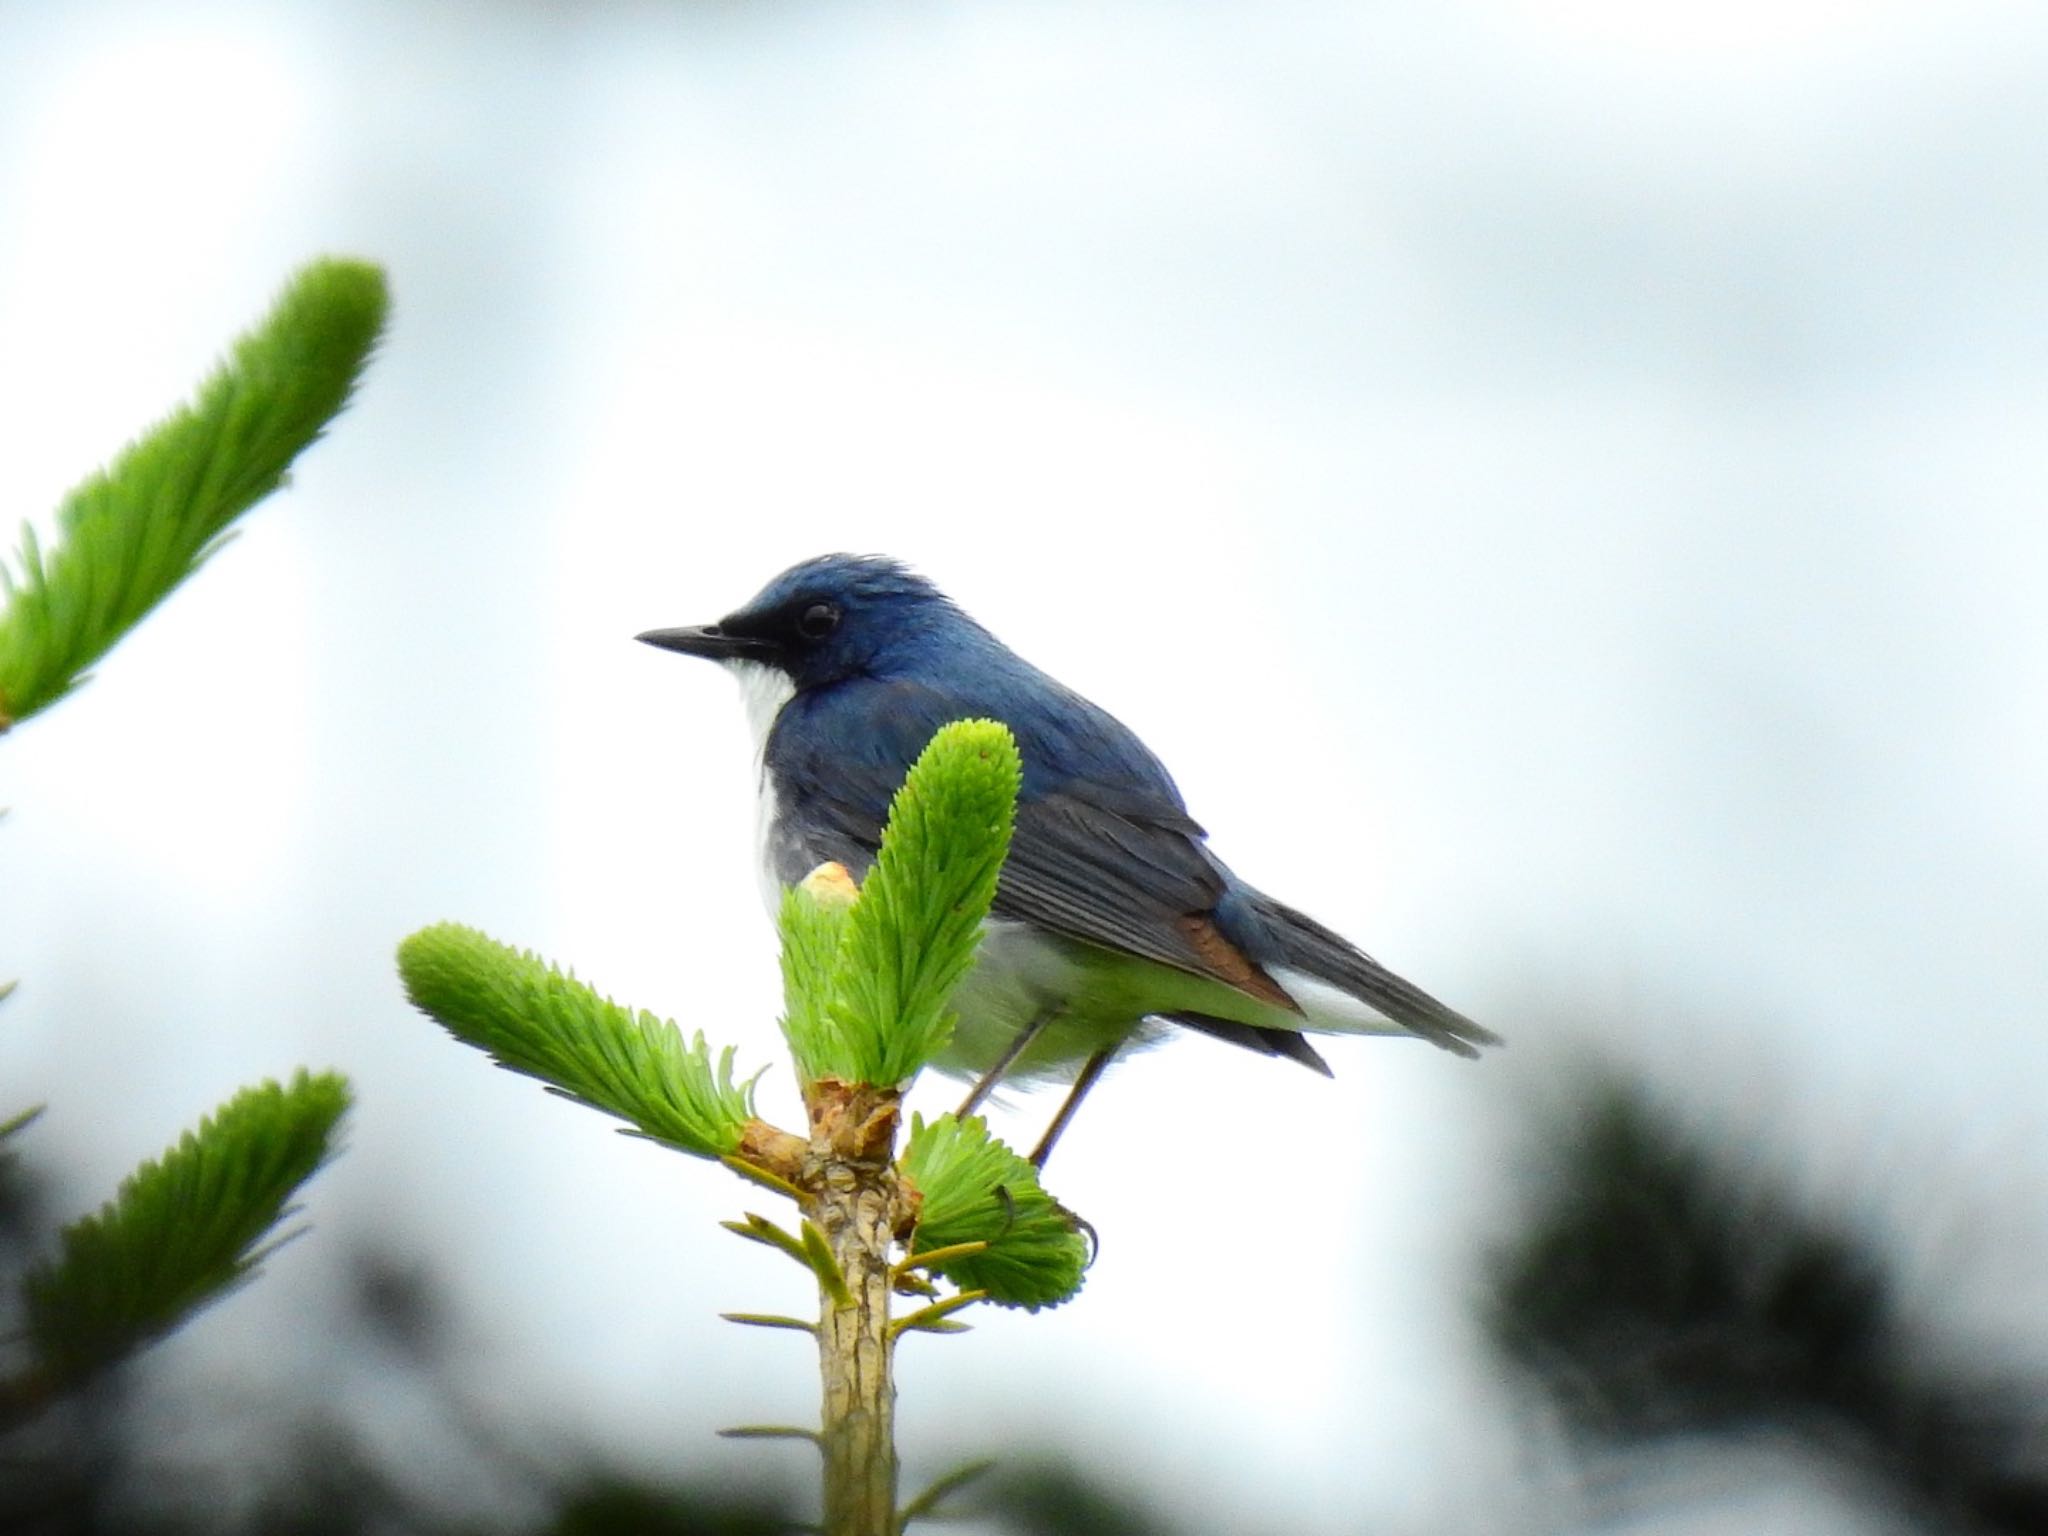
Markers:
{"x": 1560, "y": 483}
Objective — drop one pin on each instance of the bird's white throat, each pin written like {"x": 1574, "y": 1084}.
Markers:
{"x": 763, "y": 690}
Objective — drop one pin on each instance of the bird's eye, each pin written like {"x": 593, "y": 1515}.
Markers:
{"x": 818, "y": 621}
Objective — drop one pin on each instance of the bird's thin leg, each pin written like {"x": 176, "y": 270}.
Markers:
{"x": 1017, "y": 1047}
{"x": 1089, "y": 1072}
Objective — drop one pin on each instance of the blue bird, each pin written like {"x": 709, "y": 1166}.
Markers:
{"x": 1112, "y": 923}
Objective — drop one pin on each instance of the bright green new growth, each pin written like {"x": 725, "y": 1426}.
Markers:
{"x": 813, "y": 926}
{"x": 913, "y": 932}
{"x": 976, "y": 1189}
{"x": 183, "y": 1230}
{"x": 132, "y": 532}
{"x": 534, "y": 1020}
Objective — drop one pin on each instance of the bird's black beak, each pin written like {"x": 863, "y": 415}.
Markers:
{"x": 710, "y": 642}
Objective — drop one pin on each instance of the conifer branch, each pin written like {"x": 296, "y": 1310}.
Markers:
{"x": 769, "y": 1432}
{"x": 913, "y": 934}
{"x": 130, "y": 534}
{"x": 533, "y": 1019}
{"x": 986, "y": 1223}
{"x": 926, "y": 1505}
{"x": 759, "y": 1229}
{"x": 771, "y": 1320}
{"x": 184, "y": 1230}
{"x": 929, "y": 1318}
{"x": 867, "y": 981}
{"x": 867, "y": 975}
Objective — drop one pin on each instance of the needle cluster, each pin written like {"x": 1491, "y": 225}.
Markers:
{"x": 130, "y": 533}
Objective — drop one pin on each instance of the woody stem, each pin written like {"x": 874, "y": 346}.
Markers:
{"x": 851, "y": 1172}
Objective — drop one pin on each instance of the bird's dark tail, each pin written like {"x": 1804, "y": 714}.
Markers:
{"x": 1305, "y": 944}
{"x": 1267, "y": 1042}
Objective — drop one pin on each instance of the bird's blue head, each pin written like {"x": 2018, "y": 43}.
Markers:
{"x": 830, "y": 618}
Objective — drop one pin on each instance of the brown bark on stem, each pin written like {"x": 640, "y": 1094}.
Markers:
{"x": 773, "y": 1151}
{"x": 861, "y": 1207}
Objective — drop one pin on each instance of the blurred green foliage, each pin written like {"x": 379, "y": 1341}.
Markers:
{"x": 131, "y": 533}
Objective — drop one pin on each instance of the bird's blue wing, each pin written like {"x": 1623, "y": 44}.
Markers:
{"x": 1104, "y": 853}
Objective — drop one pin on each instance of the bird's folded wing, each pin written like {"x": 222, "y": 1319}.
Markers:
{"x": 1115, "y": 864}
{"x": 1121, "y": 879}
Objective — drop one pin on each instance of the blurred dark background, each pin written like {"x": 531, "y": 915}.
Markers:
{"x": 1690, "y": 1346}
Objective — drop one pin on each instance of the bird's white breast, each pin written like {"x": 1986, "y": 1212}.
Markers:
{"x": 763, "y": 690}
